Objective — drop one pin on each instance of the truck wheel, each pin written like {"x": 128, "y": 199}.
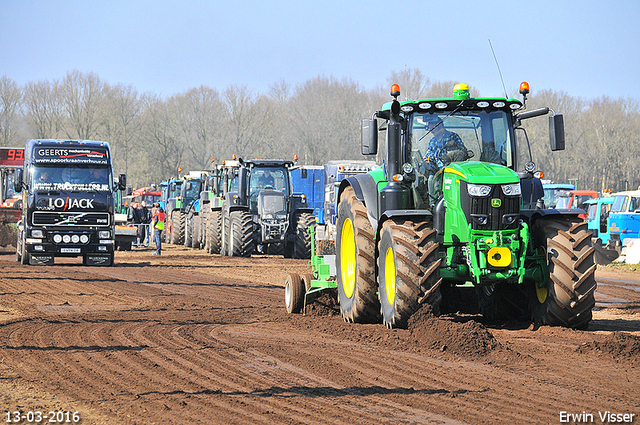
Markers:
{"x": 294, "y": 293}
{"x": 241, "y": 242}
{"x": 504, "y": 301}
{"x": 302, "y": 247}
{"x": 408, "y": 270}
{"x": 188, "y": 231}
{"x": 569, "y": 296}
{"x": 355, "y": 267}
{"x": 214, "y": 232}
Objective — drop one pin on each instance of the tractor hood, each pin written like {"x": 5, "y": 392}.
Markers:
{"x": 482, "y": 172}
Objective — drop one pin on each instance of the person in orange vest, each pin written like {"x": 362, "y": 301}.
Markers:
{"x": 158, "y": 226}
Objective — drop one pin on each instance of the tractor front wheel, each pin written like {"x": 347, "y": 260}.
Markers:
{"x": 408, "y": 270}
{"x": 568, "y": 298}
{"x": 241, "y": 242}
{"x": 214, "y": 232}
{"x": 355, "y": 263}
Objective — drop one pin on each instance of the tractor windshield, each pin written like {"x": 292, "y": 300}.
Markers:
{"x": 269, "y": 178}
{"x": 486, "y": 134}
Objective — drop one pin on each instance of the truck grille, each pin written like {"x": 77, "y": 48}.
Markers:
{"x": 46, "y": 218}
{"x": 483, "y": 215}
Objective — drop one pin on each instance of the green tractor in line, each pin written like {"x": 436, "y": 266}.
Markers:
{"x": 411, "y": 232}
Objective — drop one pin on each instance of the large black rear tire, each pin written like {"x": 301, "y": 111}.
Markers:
{"x": 408, "y": 270}
{"x": 568, "y": 299}
{"x": 355, "y": 262}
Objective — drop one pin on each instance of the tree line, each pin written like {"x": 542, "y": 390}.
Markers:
{"x": 319, "y": 120}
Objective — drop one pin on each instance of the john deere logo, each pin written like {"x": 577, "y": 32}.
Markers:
{"x": 495, "y": 203}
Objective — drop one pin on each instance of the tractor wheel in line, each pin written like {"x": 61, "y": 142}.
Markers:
{"x": 568, "y": 299}
{"x": 302, "y": 247}
{"x": 214, "y": 231}
{"x": 175, "y": 228}
{"x": 195, "y": 239}
{"x": 188, "y": 230}
{"x": 241, "y": 243}
{"x": 294, "y": 293}
{"x": 355, "y": 262}
{"x": 408, "y": 270}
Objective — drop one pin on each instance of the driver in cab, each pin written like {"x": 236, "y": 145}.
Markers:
{"x": 444, "y": 148}
{"x": 266, "y": 180}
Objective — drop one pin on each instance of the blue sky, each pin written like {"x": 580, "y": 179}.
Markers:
{"x": 586, "y": 48}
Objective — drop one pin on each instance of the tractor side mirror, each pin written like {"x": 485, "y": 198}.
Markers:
{"x": 556, "y": 132}
{"x": 17, "y": 180}
{"x": 303, "y": 173}
{"x": 369, "y": 136}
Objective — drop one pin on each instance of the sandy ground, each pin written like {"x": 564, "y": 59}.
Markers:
{"x": 190, "y": 338}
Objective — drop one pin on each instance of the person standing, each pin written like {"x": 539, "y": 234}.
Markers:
{"x": 158, "y": 226}
{"x": 145, "y": 219}
{"x": 134, "y": 218}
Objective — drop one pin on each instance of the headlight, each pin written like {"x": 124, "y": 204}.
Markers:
{"x": 104, "y": 234}
{"x": 66, "y": 239}
{"x": 511, "y": 189}
{"x": 281, "y": 216}
{"x": 407, "y": 168}
{"x": 57, "y": 238}
{"x": 267, "y": 215}
{"x": 84, "y": 238}
{"x": 75, "y": 238}
{"x": 478, "y": 190}
{"x": 36, "y": 233}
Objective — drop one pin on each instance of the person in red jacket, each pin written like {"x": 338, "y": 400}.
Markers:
{"x": 158, "y": 226}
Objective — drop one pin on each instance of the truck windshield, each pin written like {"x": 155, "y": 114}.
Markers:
{"x": 485, "y": 133}
{"x": 626, "y": 203}
{"x": 71, "y": 178}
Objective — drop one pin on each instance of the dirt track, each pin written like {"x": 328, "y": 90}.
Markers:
{"x": 193, "y": 338}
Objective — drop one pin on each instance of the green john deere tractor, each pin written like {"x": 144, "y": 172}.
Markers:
{"x": 449, "y": 210}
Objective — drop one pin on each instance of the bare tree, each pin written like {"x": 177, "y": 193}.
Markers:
{"x": 121, "y": 122}
{"x": 44, "y": 109}
{"x": 83, "y": 98}
{"x": 161, "y": 154}
{"x": 10, "y": 102}
{"x": 201, "y": 112}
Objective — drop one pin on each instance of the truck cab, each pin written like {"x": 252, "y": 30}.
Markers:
{"x": 68, "y": 194}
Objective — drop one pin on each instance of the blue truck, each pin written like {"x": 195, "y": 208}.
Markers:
{"x": 624, "y": 218}
{"x": 320, "y": 185}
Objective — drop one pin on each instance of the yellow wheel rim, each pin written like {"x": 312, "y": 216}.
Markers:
{"x": 542, "y": 294}
{"x": 390, "y": 276}
{"x": 348, "y": 258}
